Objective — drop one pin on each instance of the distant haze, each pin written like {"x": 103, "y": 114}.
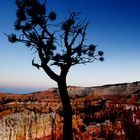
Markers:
{"x": 21, "y": 90}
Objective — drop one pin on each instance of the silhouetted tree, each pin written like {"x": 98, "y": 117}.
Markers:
{"x": 57, "y": 44}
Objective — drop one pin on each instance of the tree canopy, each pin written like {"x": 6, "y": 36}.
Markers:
{"x": 61, "y": 44}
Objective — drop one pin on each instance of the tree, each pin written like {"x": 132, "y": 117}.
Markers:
{"x": 57, "y": 44}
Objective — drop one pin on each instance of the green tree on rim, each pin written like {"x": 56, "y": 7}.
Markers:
{"x": 57, "y": 44}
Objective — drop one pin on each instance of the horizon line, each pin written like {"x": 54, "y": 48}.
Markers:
{"x": 26, "y": 90}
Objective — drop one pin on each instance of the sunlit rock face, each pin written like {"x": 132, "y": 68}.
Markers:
{"x": 38, "y": 115}
{"x": 27, "y": 126}
{"x": 114, "y": 89}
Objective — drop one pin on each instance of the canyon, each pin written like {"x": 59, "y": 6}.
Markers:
{"x": 98, "y": 112}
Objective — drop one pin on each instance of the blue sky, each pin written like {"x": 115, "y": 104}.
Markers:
{"x": 114, "y": 27}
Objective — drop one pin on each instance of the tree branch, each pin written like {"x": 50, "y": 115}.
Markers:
{"x": 50, "y": 73}
{"x": 35, "y": 64}
{"x": 73, "y": 40}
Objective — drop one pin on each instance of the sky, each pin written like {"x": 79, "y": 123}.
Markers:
{"x": 114, "y": 27}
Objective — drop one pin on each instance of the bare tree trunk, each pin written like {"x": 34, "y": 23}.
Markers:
{"x": 67, "y": 110}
